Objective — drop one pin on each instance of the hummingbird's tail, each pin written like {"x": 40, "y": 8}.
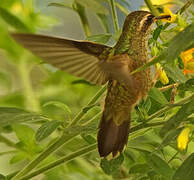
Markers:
{"x": 113, "y": 136}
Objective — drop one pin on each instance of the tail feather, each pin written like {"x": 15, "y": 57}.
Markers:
{"x": 112, "y": 137}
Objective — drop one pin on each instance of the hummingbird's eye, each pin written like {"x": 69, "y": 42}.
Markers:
{"x": 149, "y": 19}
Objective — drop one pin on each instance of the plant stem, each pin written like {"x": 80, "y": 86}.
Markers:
{"x": 152, "y": 9}
{"x": 145, "y": 125}
{"x": 182, "y": 9}
{"x": 114, "y": 15}
{"x": 79, "y": 153}
{"x": 91, "y": 102}
{"x": 60, "y": 141}
{"x": 88, "y": 149}
{"x": 62, "y": 160}
{"x": 84, "y": 20}
{"x": 168, "y": 107}
{"x": 164, "y": 88}
{"x": 52, "y": 148}
{"x": 32, "y": 102}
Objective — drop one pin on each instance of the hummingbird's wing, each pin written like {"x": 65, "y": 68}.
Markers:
{"x": 79, "y": 58}
{"x": 118, "y": 68}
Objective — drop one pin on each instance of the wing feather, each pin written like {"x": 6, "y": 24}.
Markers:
{"x": 79, "y": 58}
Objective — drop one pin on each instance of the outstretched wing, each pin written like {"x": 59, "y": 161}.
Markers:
{"x": 79, "y": 58}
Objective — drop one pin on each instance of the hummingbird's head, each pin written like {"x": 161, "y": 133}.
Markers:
{"x": 141, "y": 21}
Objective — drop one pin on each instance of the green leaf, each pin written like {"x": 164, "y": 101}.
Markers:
{"x": 63, "y": 106}
{"x": 147, "y": 104}
{"x": 87, "y": 108}
{"x": 2, "y": 177}
{"x": 100, "y": 38}
{"x": 179, "y": 43}
{"x": 81, "y": 81}
{"x": 13, "y": 20}
{"x": 88, "y": 138}
{"x": 187, "y": 86}
{"x": 63, "y": 5}
{"x": 159, "y": 166}
{"x": 109, "y": 167}
{"x": 104, "y": 19}
{"x": 5, "y": 80}
{"x": 157, "y": 32}
{"x": 25, "y": 134}
{"x": 9, "y": 116}
{"x": 171, "y": 137}
{"x": 60, "y": 105}
{"x": 186, "y": 110}
{"x": 20, "y": 156}
{"x": 186, "y": 170}
{"x": 158, "y": 96}
{"x": 93, "y": 5}
{"x": 46, "y": 129}
{"x": 139, "y": 168}
{"x": 175, "y": 73}
{"x": 122, "y": 8}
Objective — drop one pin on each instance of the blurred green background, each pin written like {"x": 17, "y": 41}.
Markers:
{"x": 28, "y": 84}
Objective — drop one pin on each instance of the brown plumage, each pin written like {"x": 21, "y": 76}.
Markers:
{"x": 99, "y": 64}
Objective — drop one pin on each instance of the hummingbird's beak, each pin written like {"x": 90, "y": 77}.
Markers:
{"x": 162, "y": 17}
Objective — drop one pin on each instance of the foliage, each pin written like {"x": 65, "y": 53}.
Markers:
{"x": 45, "y": 120}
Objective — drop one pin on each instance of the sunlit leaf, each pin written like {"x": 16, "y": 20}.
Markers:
{"x": 20, "y": 156}
{"x": 186, "y": 170}
{"x": 46, "y": 129}
{"x": 13, "y": 20}
{"x": 5, "y": 80}
{"x": 59, "y": 105}
{"x": 25, "y": 134}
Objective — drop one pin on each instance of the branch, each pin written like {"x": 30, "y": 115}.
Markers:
{"x": 60, "y": 141}
{"x": 114, "y": 15}
{"x": 152, "y": 9}
{"x": 78, "y": 117}
{"x": 84, "y": 20}
{"x": 62, "y": 160}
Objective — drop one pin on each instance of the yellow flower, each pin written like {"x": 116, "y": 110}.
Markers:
{"x": 17, "y": 8}
{"x": 167, "y": 11}
{"x": 162, "y": 74}
{"x": 188, "y": 60}
{"x": 183, "y": 138}
{"x": 165, "y": 3}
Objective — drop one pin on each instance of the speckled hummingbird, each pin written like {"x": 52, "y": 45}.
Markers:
{"x": 99, "y": 64}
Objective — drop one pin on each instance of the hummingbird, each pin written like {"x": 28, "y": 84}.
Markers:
{"x": 100, "y": 64}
